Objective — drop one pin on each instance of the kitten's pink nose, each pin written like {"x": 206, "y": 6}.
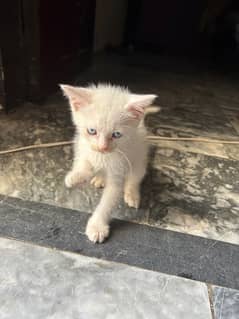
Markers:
{"x": 103, "y": 148}
{"x": 103, "y": 143}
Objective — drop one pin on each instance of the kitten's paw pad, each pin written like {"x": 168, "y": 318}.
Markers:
{"x": 132, "y": 198}
{"x": 73, "y": 179}
{"x": 97, "y": 232}
{"x": 98, "y": 181}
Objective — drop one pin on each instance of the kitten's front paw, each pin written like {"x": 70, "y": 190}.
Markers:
{"x": 97, "y": 231}
{"x": 132, "y": 198}
{"x": 98, "y": 181}
{"x": 74, "y": 178}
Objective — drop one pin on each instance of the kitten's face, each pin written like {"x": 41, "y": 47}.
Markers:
{"x": 102, "y": 141}
{"x": 106, "y": 116}
{"x": 104, "y": 133}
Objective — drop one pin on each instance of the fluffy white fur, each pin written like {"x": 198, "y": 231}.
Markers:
{"x": 117, "y": 164}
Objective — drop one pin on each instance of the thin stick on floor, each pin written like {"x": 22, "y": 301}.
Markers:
{"x": 153, "y": 138}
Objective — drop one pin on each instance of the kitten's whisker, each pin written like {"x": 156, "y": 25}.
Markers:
{"x": 127, "y": 159}
{"x": 127, "y": 138}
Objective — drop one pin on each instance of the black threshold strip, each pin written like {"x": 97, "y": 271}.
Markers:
{"x": 143, "y": 246}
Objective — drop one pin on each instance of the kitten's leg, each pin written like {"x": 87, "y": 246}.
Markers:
{"x": 80, "y": 173}
{"x": 98, "y": 180}
{"x": 98, "y": 228}
{"x": 132, "y": 186}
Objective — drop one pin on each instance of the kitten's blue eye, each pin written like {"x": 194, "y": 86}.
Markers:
{"x": 91, "y": 131}
{"x": 116, "y": 134}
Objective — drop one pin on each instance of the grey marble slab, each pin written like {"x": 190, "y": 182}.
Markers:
{"x": 37, "y": 283}
{"x": 225, "y": 303}
{"x": 192, "y": 193}
{"x": 196, "y": 194}
{"x": 147, "y": 247}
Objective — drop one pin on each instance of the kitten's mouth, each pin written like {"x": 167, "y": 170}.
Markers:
{"x": 102, "y": 151}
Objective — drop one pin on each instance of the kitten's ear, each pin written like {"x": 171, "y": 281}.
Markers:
{"x": 138, "y": 103}
{"x": 78, "y": 96}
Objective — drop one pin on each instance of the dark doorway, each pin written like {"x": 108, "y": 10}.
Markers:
{"x": 42, "y": 43}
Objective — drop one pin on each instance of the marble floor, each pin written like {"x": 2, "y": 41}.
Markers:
{"x": 37, "y": 282}
{"x": 191, "y": 187}
{"x": 50, "y": 270}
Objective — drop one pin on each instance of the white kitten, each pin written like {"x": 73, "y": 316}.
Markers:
{"x": 109, "y": 145}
